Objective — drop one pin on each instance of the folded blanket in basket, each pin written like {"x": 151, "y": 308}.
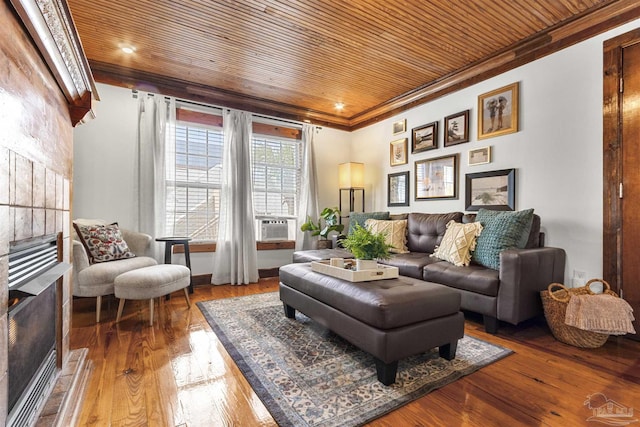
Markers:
{"x": 602, "y": 313}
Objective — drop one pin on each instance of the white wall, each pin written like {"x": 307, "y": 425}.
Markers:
{"x": 104, "y": 160}
{"x": 557, "y": 152}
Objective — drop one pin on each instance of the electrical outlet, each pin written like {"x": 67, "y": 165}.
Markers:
{"x": 579, "y": 278}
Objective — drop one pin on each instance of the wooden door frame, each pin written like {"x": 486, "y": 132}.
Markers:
{"x": 612, "y": 156}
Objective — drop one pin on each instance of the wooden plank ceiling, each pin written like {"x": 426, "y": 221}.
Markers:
{"x": 296, "y": 59}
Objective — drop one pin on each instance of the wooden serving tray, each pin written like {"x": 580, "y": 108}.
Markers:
{"x": 380, "y": 273}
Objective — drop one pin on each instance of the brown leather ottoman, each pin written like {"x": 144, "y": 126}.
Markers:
{"x": 390, "y": 319}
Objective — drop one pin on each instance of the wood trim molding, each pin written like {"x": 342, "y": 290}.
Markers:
{"x": 51, "y": 27}
{"x": 612, "y": 156}
{"x": 263, "y": 273}
{"x": 211, "y": 247}
{"x": 139, "y": 80}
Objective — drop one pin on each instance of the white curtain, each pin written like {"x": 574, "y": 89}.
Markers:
{"x": 236, "y": 258}
{"x": 156, "y": 126}
{"x": 308, "y": 203}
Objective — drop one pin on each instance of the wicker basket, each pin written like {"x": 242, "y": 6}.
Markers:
{"x": 555, "y": 308}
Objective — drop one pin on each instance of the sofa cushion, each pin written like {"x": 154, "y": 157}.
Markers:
{"x": 103, "y": 242}
{"x": 473, "y": 278}
{"x": 458, "y": 242}
{"x": 395, "y": 233}
{"x": 534, "y": 234}
{"x": 106, "y": 272}
{"x": 425, "y": 231}
{"x": 361, "y": 217}
{"x": 501, "y": 230}
{"x": 410, "y": 264}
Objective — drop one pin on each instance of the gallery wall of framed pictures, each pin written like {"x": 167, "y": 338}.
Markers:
{"x": 436, "y": 175}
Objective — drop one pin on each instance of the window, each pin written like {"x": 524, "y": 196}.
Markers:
{"x": 276, "y": 175}
{"x": 194, "y": 166}
{"x": 193, "y": 179}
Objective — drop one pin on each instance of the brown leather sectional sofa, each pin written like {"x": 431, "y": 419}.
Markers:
{"x": 510, "y": 294}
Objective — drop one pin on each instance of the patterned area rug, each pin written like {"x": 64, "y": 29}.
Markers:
{"x": 308, "y": 376}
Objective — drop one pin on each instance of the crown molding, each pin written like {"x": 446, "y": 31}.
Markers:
{"x": 140, "y": 80}
{"x": 51, "y": 27}
{"x": 581, "y": 28}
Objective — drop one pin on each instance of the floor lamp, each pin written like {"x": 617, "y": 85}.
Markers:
{"x": 351, "y": 180}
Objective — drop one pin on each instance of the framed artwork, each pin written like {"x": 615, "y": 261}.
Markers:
{"x": 398, "y": 189}
{"x": 456, "y": 128}
{"x": 399, "y": 126}
{"x": 424, "y": 138}
{"x": 498, "y": 112}
{"x": 491, "y": 190}
{"x": 436, "y": 178}
{"x": 480, "y": 156}
{"x": 398, "y": 152}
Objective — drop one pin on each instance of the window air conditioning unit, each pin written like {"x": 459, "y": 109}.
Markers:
{"x": 272, "y": 229}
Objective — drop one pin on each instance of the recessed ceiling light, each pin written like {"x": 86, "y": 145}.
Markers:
{"x": 128, "y": 49}
{"x": 339, "y": 105}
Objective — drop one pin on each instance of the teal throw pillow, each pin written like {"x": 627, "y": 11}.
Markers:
{"x": 501, "y": 230}
{"x": 361, "y": 217}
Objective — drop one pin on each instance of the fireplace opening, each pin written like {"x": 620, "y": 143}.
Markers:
{"x": 34, "y": 270}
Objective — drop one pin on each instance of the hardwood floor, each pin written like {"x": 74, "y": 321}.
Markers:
{"x": 177, "y": 373}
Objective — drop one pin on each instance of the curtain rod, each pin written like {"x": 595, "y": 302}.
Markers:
{"x": 261, "y": 116}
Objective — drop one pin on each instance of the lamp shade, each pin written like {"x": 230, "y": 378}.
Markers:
{"x": 351, "y": 175}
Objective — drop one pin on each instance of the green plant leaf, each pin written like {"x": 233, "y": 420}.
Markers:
{"x": 364, "y": 244}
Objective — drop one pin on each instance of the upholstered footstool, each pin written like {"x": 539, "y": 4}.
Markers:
{"x": 151, "y": 282}
{"x": 391, "y": 319}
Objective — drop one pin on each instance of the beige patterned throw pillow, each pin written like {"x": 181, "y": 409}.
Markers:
{"x": 103, "y": 242}
{"x": 395, "y": 233}
{"x": 458, "y": 242}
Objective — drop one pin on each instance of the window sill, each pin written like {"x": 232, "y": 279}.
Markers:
{"x": 211, "y": 247}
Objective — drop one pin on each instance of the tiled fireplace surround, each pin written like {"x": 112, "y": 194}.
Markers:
{"x": 34, "y": 201}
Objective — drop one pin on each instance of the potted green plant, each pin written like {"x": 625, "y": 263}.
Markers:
{"x": 331, "y": 217}
{"x": 366, "y": 246}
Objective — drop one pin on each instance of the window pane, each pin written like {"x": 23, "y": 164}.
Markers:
{"x": 276, "y": 175}
{"x": 193, "y": 198}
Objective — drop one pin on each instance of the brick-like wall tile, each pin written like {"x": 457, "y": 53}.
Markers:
{"x": 11, "y": 232}
{"x": 50, "y": 189}
{"x": 39, "y": 185}
{"x": 12, "y": 178}
{"x": 66, "y": 224}
{"x": 66, "y": 194}
{"x": 39, "y": 222}
{"x": 59, "y": 192}
{"x": 6, "y": 229}
{"x": 24, "y": 181}
{"x": 59, "y": 220}
{"x": 4, "y": 176}
{"x": 4, "y": 290}
{"x": 24, "y": 223}
{"x": 50, "y": 221}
